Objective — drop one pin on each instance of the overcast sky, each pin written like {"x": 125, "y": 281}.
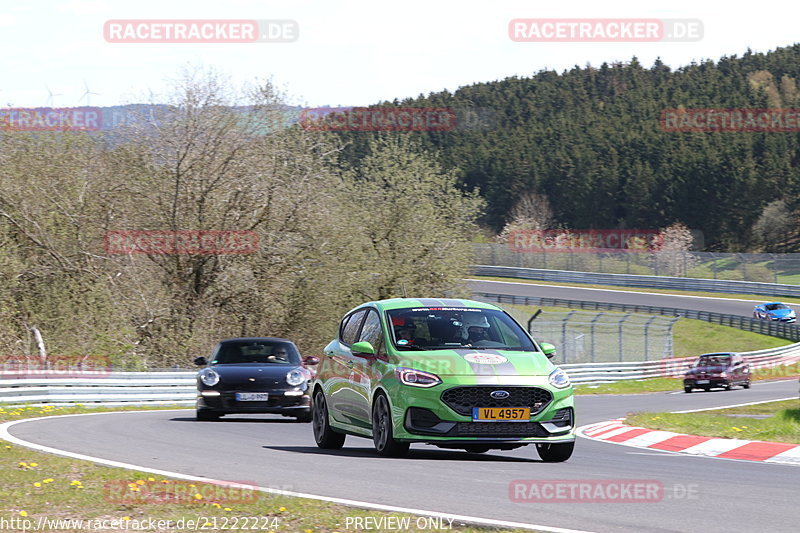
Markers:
{"x": 349, "y": 52}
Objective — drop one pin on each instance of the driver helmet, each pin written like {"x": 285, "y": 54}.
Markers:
{"x": 475, "y": 320}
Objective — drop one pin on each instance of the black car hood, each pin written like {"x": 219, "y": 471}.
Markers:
{"x": 266, "y": 373}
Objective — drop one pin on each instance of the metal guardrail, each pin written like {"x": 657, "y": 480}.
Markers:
{"x": 71, "y": 386}
{"x": 765, "y": 327}
{"x": 632, "y": 280}
{"x": 769, "y": 363}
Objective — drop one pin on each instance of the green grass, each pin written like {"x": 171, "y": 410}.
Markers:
{"x": 632, "y": 386}
{"x": 755, "y": 297}
{"x": 694, "y": 337}
{"x": 34, "y": 485}
{"x": 783, "y": 424}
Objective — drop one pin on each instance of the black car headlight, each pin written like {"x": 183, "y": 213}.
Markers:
{"x": 209, "y": 377}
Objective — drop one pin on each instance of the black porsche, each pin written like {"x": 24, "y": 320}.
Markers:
{"x": 254, "y": 375}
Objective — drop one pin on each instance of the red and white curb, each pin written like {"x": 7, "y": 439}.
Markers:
{"x": 616, "y": 432}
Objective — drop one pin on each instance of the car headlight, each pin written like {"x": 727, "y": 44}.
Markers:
{"x": 209, "y": 377}
{"x": 416, "y": 378}
{"x": 296, "y": 376}
{"x": 559, "y": 379}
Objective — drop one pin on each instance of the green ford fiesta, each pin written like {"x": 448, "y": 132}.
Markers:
{"x": 453, "y": 373}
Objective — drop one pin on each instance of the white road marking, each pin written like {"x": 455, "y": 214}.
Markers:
{"x": 733, "y": 405}
{"x": 618, "y": 291}
{"x": 4, "y": 434}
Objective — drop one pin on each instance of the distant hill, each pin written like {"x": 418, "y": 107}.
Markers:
{"x": 591, "y": 140}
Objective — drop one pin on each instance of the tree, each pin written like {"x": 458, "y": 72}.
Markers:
{"x": 673, "y": 254}
{"x": 415, "y": 223}
{"x": 774, "y": 227}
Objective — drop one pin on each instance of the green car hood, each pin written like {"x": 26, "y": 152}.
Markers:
{"x": 466, "y": 362}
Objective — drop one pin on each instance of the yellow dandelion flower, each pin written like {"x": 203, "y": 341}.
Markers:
{"x": 33, "y": 465}
{"x": 48, "y": 480}
{"x": 228, "y": 509}
{"x": 215, "y": 504}
{"x": 140, "y": 482}
{"x": 198, "y": 496}
{"x": 23, "y": 465}
{"x": 37, "y": 484}
{"x": 207, "y": 524}
{"x": 132, "y": 485}
{"x": 282, "y": 509}
{"x": 126, "y": 518}
{"x": 23, "y": 513}
{"x": 151, "y": 479}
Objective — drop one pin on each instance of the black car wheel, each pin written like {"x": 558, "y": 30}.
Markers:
{"x": 687, "y": 389}
{"x": 728, "y": 386}
{"x": 206, "y": 415}
{"x": 707, "y": 388}
{"x": 555, "y": 453}
{"x": 325, "y": 436}
{"x": 746, "y": 384}
{"x": 382, "y": 433}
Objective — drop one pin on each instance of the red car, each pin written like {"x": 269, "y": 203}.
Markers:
{"x": 717, "y": 370}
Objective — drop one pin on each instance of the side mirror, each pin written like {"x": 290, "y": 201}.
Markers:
{"x": 311, "y": 360}
{"x": 200, "y": 361}
{"x": 548, "y": 349}
{"x": 362, "y": 348}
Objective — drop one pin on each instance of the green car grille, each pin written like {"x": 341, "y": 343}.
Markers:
{"x": 463, "y": 399}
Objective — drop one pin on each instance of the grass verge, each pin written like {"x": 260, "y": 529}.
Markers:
{"x": 44, "y": 489}
{"x": 782, "y": 422}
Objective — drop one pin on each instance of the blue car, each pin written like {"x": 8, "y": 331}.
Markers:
{"x": 775, "y": 311}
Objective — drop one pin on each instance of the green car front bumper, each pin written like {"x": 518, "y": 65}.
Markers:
{"x": 444, "y": 413}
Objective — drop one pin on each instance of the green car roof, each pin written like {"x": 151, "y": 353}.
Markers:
{"x": 404, "y": 303}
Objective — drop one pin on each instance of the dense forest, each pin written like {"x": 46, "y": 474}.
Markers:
{"x": 590, "y": 141}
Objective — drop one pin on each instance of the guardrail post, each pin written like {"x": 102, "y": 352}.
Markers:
{"x": 620, "y": 342}
{"x": 591, "y": 332}
{"x": 647, "y": 336}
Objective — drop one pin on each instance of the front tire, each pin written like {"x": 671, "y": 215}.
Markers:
{"x": 206, "y": 416}
{"x": 383, "y": 432}
{"x": 325, "y": 436}
{"x": 555, "y": 453}
{"x": 746, "y": 385}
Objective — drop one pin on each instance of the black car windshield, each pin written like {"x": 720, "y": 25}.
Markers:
{"x": 258, "y": 352}
{"x": 774, "y": 307}
{"x": 714, "y": 360}
{"x": 442, "y": 328}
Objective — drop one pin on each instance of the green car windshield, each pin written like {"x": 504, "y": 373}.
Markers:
{"x": 443, "y": 328}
